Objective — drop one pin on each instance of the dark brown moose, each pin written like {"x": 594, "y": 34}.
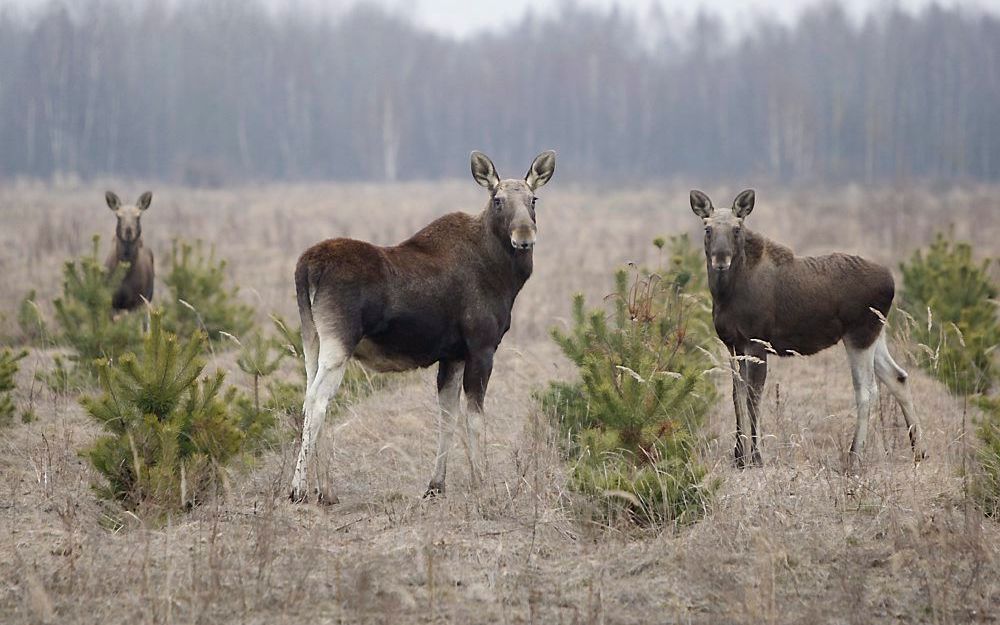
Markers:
{"x": 766, "y": 300}
{"x": 137, "y": 286}
{"x": 442, "y": 296}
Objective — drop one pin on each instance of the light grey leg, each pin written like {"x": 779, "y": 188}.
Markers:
{"x": 756, "y": 376}
{"x": 311, "y": 348}
{"x": 742, "y": 408}
{"x": 862, "y": 361}
{"x": 474, "y": 433}
{"x": 895, "y": 379}
{"x": 332, "y": 362}
{"x": 449, "y": 397}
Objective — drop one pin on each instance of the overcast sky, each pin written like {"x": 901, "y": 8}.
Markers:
{"x": 464, "y": 17}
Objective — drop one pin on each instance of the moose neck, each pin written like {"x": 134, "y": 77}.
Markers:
{"x": 754, "y": 251}
{"x": 515, "y": 265}
{"x": 129, "y": 250}
{"x": 722, "y": 284}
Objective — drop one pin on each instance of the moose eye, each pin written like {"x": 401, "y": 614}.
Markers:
{"x": 497, "y": 202}
{"x": 534, "y": 201}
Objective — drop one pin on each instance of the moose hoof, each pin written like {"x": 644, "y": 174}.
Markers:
{"x": 740, "y": 460}
{"x": 854, "y": 464}
{"x": 325, "y": 497}
{"x": 756, "y": 460}
{"x": 434, "y": 489}
{"x": 297, "y": 496}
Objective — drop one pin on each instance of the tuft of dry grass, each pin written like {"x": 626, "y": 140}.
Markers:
{"x": 794, "y": 542}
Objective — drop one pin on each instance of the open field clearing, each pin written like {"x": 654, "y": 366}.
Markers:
{"x": 794, "y": 542}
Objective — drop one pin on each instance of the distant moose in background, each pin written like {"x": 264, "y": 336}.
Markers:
{"x": 767, "y": 300}
{"x": 442, "y": 296}
{"x": 137, "y": 285}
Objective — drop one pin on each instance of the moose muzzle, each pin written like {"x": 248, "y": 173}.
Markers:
{"x": 523, "y": 237}
{"x": 721, "y": 262}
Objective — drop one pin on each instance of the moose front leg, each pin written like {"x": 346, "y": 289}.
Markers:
{"x": 756, "y": 375}
{"x": 738, "y": 364}
{"x": 478, "y": 368}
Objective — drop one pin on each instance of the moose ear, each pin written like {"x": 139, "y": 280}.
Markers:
{"x": 701, "y": 205}
{"x": 113, "y": 202}
{"x": 541, "y": 170}
{"x": 144, "y": 200}
{"x": 743, "y": 203}
{"x": 483, "y": 171}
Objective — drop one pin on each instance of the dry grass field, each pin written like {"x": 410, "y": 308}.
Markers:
{"x": 794, "y": 542}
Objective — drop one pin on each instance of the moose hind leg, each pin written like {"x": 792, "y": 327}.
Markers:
{"x": 862, "y": 362}
{"x": 896, "y": 380}
{"x": 331, "y": 363}
{"x": 310, "y": 349}
{"x": 449, "y": 383}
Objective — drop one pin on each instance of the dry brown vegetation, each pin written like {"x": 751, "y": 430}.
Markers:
{"x": 794, "y": 542}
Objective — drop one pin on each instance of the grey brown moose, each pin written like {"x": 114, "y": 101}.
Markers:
{"x": 767, "y": 301}
{"x": 442, "y": 296}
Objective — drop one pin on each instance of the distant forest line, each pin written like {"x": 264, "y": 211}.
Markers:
{"x": 214, "y": 92}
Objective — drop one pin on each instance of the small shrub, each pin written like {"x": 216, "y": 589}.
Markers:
{"x": 632, "y": 421}
{"x": 8, "y": 369}
{"x": 171, "y": 433}
{"x": 985, "y": 484}
{"x": 83, "y": 313}
{"x": 65, "y": 377}
{"x": 30, "y": 320}
{"x": 282, "y": 402}
{"x": 289, "y": 338}
{"x": 257, "y": 361}
{"x": 200, "y": 298}
{"x": 950, "y": 302}
{"x": 259, "y": 358}
{"x": 357, "y": 384}
{"x": 948, "y": 295}
{"x": 286, "y": 398}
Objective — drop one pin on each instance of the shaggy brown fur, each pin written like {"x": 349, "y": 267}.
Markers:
{"x": 798, "y": 304}
{"x": 442, "y": 296}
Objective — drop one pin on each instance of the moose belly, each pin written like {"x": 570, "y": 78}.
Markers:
{"x": 402, "y": 345}
{"x": 807, "y": 339}
{"x": 379, "y": 358}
